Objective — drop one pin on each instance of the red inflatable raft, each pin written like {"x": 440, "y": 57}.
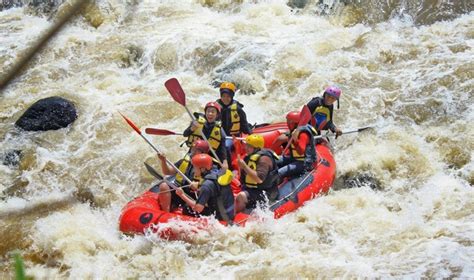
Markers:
{"x": 144, "y": 211}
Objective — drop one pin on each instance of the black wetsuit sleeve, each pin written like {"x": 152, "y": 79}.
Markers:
{"x": 244, "y": 125}
{"x": 314, "y": 103}
{"x": 188, "y": 131}
{"x": 330, "y": 125}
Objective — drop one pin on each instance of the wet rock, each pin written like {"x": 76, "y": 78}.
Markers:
{"x": 131, "y": 56}
{"x": 51, "y": 113}
{"x": 8, "y": 4}
{"x": 42, "y": 7}
{"x": 17, "y": 188}
{"x": 422, "y": 12}
{"x": 11, "y": 158}
{"x": 358, "y": 180}
{"x": 92, "y": 14}
{"x": 300, "y": 4}
{"x": 166, "y": 57}
{"x": 85, "y": 195}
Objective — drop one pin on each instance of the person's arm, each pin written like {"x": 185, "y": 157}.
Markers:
{"x": 191, "y": 128}
{"x": 264, "y": 166}
{"x": 249, "y": 171}
{"x": 244, "y": 125}
{"x": 331, "y": 126}
{"x": 188, "y": 131}
{"x": 165, "y": 168}
{"x": 222, "y": 151}
{"x": 189, "y": 201}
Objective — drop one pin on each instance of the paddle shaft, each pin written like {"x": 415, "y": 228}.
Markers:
{"x": 305, "y": 116}
{"x": 345, "y": 132}
{"x": 165, "y": 132}
{"x": 137, "y": 130}
{"x": 167, "y": 160}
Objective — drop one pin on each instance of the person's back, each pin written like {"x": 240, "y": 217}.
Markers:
{"x": 213, "y": 199}
{"x": 302, "y": 151}
{"x": 257, "y": 183}
{"x": 219, "y": 199}
{"x": 168, "y": 200}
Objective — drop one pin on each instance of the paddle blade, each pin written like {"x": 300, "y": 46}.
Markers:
{"x": 131, "y": 124}
{"x": 176, "y": 91}
{"x": 158, "y": 131}
{"x": 153, "y": 172}
{"x": 237, "y": 145}
{"x": 363, "y": 128}
{"x": 305, "y": 116}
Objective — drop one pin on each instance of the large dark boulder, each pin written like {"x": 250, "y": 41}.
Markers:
{"x": 48, "y": 114}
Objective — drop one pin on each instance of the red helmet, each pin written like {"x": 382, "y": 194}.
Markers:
{"x": 293, "y": 116}
{"x": 213, "y": 104}
{"x": 202, "y": 161}
{"x": 201, "y": 145}
{"x": 292, "y": 119}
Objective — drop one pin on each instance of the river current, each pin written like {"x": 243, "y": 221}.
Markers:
{"x": 403, "y": 202}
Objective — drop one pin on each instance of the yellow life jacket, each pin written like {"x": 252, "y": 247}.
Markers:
{"x": 234, "y": 119}
{"x": 185, "y": 167}
{"x": 214, "y": 138}
{"x": 251, "y": 161}
{"x": 293, "y": 151}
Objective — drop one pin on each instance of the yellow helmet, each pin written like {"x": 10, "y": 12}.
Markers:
{"x": 255, "y": 140}
{"x": 227, "y": 87}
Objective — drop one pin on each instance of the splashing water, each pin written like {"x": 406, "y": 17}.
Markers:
{"x": 403, "y": 202}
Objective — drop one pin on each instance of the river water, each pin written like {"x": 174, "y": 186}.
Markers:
{"x": 403, "y": 202}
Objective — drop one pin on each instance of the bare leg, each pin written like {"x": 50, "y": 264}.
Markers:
{"x": 240, "y": 202}
{"x": 164, "y": 198}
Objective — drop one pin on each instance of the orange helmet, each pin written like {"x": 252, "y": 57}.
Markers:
{"x": 201, "y": 145}
{"x": 227, "y": 87}
{"x": 292, "y": 119}
{"x": 213, "y": 104}
{"x": 202, "y": 161}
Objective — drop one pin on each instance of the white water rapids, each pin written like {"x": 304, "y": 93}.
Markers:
{"x": 409, "y": 213}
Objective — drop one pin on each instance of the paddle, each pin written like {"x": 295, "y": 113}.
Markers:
{"x": 137, "y": 130}
{"x": 159, "y": 131}
{"x": 305, "y": 117}
{"x": 153, "y": 172}
{"x": 344, "y": 132}
{"x": 238, "y": 151}
{"x": 177, "y": 92}
{"x": 166, "y": 132}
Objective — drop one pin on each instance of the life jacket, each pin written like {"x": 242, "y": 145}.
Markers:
{"x": 321, "y": 116}
{"x": 234, "y": 119}
{"x": 252, "y": 161}
{"x": 214, "y": 138}
{"x": 185, "y": 167}
{"x": 309, "y": 155}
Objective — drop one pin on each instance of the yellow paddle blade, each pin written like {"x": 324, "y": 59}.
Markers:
{"x": 226, "y": 178}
